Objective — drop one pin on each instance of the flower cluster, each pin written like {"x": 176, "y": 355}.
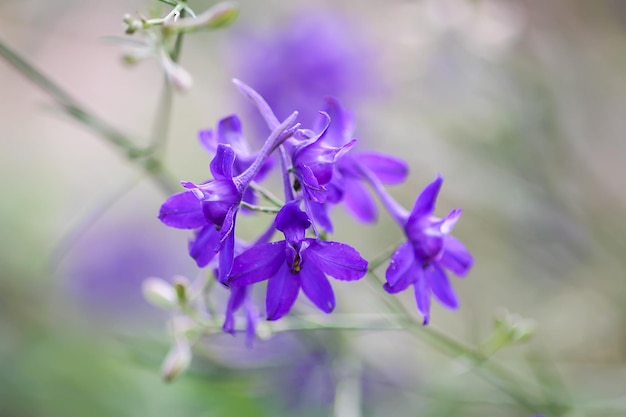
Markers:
{"x": 320, "y": 169}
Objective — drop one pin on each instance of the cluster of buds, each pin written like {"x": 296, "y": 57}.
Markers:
{"x": 157, "y": 36}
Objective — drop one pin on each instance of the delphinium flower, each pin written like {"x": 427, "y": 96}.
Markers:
{"x": 296, "y": 263}
{"x": 229, "y": 132}
{"x": 312, "y": 55}
{"x": 211, "y": 207}
{"x": 420, "y": 261}
{"x": 347, "y": 184}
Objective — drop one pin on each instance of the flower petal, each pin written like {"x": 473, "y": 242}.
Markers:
{"x": 456, "y": 257}
{"x": 293, "y": 222}
{"x": 319, "y": 212}
{"x": 422, "y": 295}
{"x": 388, "y": 169}
{"x": 282, "y": 291}
{"x": 359, "y": 201}
{"x": 409, "y": 277}
{"x": 441, "y": 287}
{"x": 316, "y": 286}
{"x": 257, "y": 263}
{"x": 183, "y": 211}
{"x": 425, "y": 203}
{"x": 336, "y": 259}
{"x": 229, "y": 132}
{"x": 222, "y": 164}
{"x": 227, "y": 254}
{"x": 400, "y": 262}
{"x": 205, "y": 245}
{"x": 235, "y": 300}
{"x": 342, "y": 123}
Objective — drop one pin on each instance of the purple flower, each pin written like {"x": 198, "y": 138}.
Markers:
{"x": 240, "y": 297}
{"x": 296, "y": 262}
{"x": 429, "y": 249}
{"x": 211, "y": 207}
{"x": 310, "y": 56}
{"x": 347, "y": 183}
{"x": 229, "y": 132}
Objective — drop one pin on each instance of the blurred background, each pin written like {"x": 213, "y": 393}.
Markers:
{"x": 518, "y": 104}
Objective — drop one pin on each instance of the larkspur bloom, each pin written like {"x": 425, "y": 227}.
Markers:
{"x": 229, "y": 132}
{"x": 347, "y": 184}
{"x": 313, "y": 165}
{"x": 296, "y": 263}
{"x": 312, "y": 55}
{"x": 420, "y": 261}
{"x": 211, "y": 207}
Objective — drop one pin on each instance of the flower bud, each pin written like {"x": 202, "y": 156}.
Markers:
{"x": 177, "y": 360}
{"x": 160, "y": 293}
{"x": 218, "y": 16}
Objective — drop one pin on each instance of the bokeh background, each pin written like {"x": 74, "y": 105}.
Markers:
{"x": 518, "y": 104}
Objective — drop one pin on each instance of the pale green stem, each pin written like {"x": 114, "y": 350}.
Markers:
{"x": 260, "y": 209}
{"x": 141, "y": 157}
{"x": 488, "y": 370}
{"x": 266, "y": 194}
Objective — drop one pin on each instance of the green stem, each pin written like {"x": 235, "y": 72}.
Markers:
{"x": 488, "y": 370}
{"x": 141, "y": 157}
{"x": 266, "y": 194}
{"x": 261, "y": 209}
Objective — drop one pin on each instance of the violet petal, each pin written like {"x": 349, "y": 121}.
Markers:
{"x": 337, "y": 259}
{"x": 387, "y": 168}
{"x": 441, "y": 287}
{"x": 456, "y": 257}
{"x": 282, "y": 291}
{"x": 317, "y": 288}
{"x": 257, "y": 263}
{"x": 182, "y": 211}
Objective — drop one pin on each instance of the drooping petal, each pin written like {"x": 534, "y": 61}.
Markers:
{"x": 235, "y": 300}
{"x": 388, "y": 169}
{"x": 400, "y": 262}
{"x": 441, "y": 287}
{"x": 226, "y": 257}
{"x": 313, "y": 189}
{"x": 425, "y": 203}
{"x": 336, "y": 259}
{"x": 293, "y": 222}
{"x": 257, "y": 263}
{"x": 205, "y": 245}
{"x": 222, "y": 164}
{"x": 316, "y": 286}
{"x": 183, "y": 211}
{"x": 282, "y": 291}
{"x": 319, "y": 212}
{"x": 252, "y": 319}
{"x": 359, "y": 201}
{"x": 422, "y": 295}
{"x": 402, "y": 281}
{"x": 456, "y": 257}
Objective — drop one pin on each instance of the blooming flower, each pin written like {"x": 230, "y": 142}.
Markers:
{"x": 296, "y": 262}
{"x": 429, "y": 249}
{"x": 211, "y": 207}
{"x": 229, "y": 132}
{"x": 312, "y": 55}
{"x": 347, "y": 182}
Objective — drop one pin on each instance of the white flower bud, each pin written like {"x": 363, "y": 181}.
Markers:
{"x": 160, "y": 293}
{"x": 177, "y": 360}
